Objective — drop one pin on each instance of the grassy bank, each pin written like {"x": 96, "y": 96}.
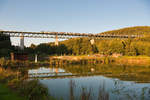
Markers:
{"x": 7, "y": 94}
{"x": 127, "y": 60}
{"x": 82, "y": 60}
{"x": 18, "y": 84}
{"x": 136, "y": 60}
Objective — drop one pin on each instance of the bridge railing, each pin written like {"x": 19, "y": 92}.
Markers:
{"x": 63, "y": 35}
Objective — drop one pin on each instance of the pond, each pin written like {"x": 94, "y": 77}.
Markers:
{"x": 97, "y": 82}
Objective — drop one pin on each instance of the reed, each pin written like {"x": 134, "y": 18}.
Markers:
{"x": 87, "y": 95}
{"x": 105, "y": 60}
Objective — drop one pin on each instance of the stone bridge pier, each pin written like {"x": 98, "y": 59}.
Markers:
{"x": 56, "y": 40}
{"x": 22, "y": 42}
{"x": 92, "y": 41}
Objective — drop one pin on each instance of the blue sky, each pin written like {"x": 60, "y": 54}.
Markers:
{"x": 91, "y": 16}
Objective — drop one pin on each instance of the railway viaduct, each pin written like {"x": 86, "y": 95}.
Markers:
{"x": 63, "y": 35}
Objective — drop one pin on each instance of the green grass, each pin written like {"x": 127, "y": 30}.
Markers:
{"x": 7, "y": 94}
{"x": 140, "y": 56}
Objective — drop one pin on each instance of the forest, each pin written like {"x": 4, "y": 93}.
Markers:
{"x": 82, "y": 46}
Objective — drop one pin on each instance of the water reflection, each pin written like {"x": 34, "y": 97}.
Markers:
{"x": 47, "y": 72}
{"x": 98, "y": 88}
{"x": 131, "y": 90}
{"x": 96, "y": 82}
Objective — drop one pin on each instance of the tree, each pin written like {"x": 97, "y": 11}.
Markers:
{"x": 33, "y": 46}
{"x": 5, "y": 45}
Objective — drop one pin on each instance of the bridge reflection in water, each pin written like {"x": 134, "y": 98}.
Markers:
{"x": 99, "y": 86}
{"x": 47, "y": 72}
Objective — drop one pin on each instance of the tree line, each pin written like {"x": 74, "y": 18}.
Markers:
{"x": 83, "y": 46}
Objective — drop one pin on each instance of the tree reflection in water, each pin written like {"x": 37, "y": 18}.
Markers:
{"x": 129, "y": 92}
{"x": 121, "y": 92}
{"x": 121, "y": 82}
{"x": 87, "y": 95}
{"x": 103, "y": 94}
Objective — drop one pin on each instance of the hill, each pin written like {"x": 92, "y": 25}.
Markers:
{"x": 83, "y": 46}
{"x": 137, "y": 30}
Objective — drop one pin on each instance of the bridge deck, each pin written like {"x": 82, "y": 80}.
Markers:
{"x": 63, "y": 35}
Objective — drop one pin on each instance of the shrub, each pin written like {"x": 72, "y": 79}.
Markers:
{"x": 33, "y": 90}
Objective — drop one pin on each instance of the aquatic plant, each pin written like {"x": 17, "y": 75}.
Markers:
{"x": 103, "y": 95}
{"x": 85, "y": 95}
{"x": 72, "y": 86}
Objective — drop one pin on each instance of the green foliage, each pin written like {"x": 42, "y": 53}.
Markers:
{"x": 82, "y": 46}
{"x": 34, "y": 90}
{"x": 147, "y": 50}
{"x": 76, "y": 46}
{"x": 29, "y": 89}
{"x": 7, "y": 94}
{"x": 138, "y": 30}
{"x": 4, "y": 52}
{"x": 5, "y": 45}
{"x": 5, "y": 41}
{"x": 43, "y": 48}
{"x": 3, "y": 62}
{"x": 110, "y": 46}
{"x": 33, "y": 46}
